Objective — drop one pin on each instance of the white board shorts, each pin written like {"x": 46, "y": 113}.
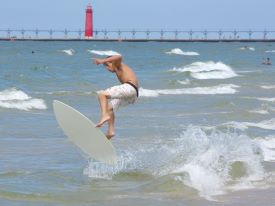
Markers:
{"x": 122, "y": 95}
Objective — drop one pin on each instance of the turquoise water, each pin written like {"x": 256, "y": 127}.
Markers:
{"x": 201, "y": 133}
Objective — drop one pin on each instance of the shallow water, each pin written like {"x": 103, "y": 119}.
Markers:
{"x": 202, "y": 132}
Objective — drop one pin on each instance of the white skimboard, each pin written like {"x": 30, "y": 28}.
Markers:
{"x": 83, "y": 133}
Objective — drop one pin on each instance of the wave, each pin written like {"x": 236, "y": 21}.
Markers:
{"x": 69, "y": 52}
{"x": 266, "y": 99}
{"x": 247, "y": 48}
{"x": 219, "y": 89}
{"x": 208, "y": 70}
{"x": 185, "y": 82}
{"x": 270, "y": 51}
{"x": 17, "y": 99}
{"x": 268, "y": 86}
{"x": 267, "y": 145}
{"x": 180, "y": 52}
{"x": 104, "y": 53}
{"x": 13, "y": 94}
{"x": 265, "y": 124}
{"x": 207, "y": 162}
{"x": 67, "y": 93}
{"x": 259, "y": 111}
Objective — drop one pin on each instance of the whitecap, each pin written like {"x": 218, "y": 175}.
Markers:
{"x": 268, "y": 86}
{"x": 265, "y": 124}
{"x": 247, "y": 48}
{"x": 266, "y": 99}
{"x": 24, "y": 105}
{"x": 259, "y": 111}
{"x": 17, "y": 99}
{"x": 184, "y": 82}
{"x": 69, "y": 52}
{"x": 104, "y": 52}
{"x": 13, "y": 94}
{"x": 267, "y": 145}
{"x": 180, "y": 52}
{"x": 208, "y": 70}
{"x": 219, "y": 89}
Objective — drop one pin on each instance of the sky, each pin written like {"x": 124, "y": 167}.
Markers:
{"x": 139, "y": 14}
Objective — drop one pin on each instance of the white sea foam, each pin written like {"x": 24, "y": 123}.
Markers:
{"x": 208, "y": 162}
{"x": 211, "y": 164}
{"x": 270, "y": 51}
{"x": 265, "y": 124}
{"x": 249, "y": 71}
{"x": 180, "y": 52}
{"x": 208, "y": 70}
{"x": 266, "y": 99}
{"x": 69, "y": 52}
{"x": 219, "y": 89}
{"x": 258, "y": 111}
{"x": 17, "y": 99}
{"x": 104, "y": 53}
{"x": 98, "y": 170}
{"x": 184, "y": 82}
{"x": 13, "y": 94}
{"x": 268, "y": 86}
{"x": 267, "y": 145}
{"x": 247, "y": 48}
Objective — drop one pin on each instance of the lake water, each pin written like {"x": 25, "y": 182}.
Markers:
{"x": 201, "y": 133}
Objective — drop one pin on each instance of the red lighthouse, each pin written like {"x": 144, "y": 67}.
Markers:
{"x": 89, "y": 22}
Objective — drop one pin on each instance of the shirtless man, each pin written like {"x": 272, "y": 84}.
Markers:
{"x": 121, "y": 95}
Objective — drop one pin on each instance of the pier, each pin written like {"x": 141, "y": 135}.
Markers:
{"x": 139, "y": 35}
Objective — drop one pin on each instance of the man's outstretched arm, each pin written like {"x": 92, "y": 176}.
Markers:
{"x": 116, "y": 58}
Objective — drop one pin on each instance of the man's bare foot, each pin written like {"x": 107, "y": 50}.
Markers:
{"x": 109, "y": 136}
{"x": 103, "y": 120}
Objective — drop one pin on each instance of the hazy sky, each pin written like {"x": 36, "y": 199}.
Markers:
{"x": 141, "y": 14}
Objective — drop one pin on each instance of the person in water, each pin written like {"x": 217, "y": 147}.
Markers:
{"x": 267, "y": 61}
{"x": 114, "y": 97}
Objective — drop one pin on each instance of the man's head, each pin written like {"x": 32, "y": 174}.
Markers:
{"x": 112, "y": 65}
{"x": 109, "y": 66}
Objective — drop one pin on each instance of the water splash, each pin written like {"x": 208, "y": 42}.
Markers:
{"x": 210, "y": 162}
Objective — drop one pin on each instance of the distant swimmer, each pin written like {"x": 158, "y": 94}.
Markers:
{"x": 121, "y": 95}
{"x": 267, "y": 61}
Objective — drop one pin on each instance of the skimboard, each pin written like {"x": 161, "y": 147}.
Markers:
{"x": 83, "y": 133}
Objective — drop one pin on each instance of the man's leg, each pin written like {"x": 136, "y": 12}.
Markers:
{"x": 111, "y": 124}
{"x": 103, "y": 101}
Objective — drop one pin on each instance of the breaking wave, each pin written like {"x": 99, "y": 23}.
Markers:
{"x": 69, "y": 52}
{"x": 17, "y": 99}
{"x": 180, "y": 52}
{"x": 104, "y": 53}
{"x": 212, "y": 163}
{"x": 208, "y": 70}
{"x": 219, "y": 89}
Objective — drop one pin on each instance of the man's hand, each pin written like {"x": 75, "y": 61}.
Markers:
{"x": 99, "y": 61}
